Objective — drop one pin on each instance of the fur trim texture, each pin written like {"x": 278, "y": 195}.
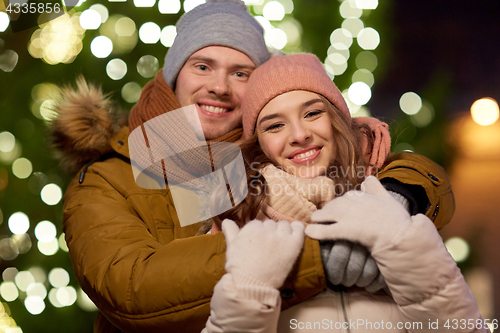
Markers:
{"x": 86, "y": 120}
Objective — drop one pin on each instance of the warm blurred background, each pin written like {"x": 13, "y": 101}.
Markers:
{"x": 431, "y": 69}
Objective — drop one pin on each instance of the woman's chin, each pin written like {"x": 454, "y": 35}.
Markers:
{"x": 310, "y": 172}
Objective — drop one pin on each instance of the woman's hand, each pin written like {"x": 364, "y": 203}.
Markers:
{"x": 265, "y": 251}
{"x": 371, "y": 217}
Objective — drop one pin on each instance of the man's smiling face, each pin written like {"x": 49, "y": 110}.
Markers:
{"x": 215, "y": 80}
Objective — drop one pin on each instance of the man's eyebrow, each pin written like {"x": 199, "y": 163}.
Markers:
{"x": 201, "y": 58}
{"x": 211, "y": 61}
{"x": 271, "y": 116}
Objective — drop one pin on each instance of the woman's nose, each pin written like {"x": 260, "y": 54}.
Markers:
{"x": 299, "y": 133}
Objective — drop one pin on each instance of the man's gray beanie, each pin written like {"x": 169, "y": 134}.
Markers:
{"x": 217, "y": 22}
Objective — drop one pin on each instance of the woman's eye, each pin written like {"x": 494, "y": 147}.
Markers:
{"x": 273, "y": 127}
{"x": 314, "y": 113}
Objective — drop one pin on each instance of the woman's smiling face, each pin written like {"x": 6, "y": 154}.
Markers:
{"x": 295, "y": 131}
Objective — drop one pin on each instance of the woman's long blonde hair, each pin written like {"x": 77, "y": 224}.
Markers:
{"x": 349, "y": 157}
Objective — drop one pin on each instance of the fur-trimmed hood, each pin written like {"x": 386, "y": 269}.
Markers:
{"x": 85, "y": 122}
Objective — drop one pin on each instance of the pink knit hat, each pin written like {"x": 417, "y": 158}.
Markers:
{"x": 285, "y": 73}
{"x": 282, "y": 74}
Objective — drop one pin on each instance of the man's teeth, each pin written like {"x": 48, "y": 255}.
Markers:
{"x": 304, "y": 155}
{"x": 214, "y": 109}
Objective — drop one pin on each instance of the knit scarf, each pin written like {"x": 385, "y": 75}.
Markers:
{"x": 156, "y": 99}
{"x": 293, "y": 198}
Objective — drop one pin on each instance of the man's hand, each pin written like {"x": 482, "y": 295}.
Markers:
{"x": 265, "y": 251}
{"x": 348, "y": 264}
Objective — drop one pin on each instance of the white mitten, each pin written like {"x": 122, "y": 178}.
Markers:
{"x": 371, "y": 217}
{"x": 265, "y": 251}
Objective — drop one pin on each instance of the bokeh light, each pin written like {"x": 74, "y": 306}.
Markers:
{"x": 9, "y": 157}
{"x": 410, "y": 103}
{"x": 148, "y": 65}
{"x": 190, "y": 4}
{"x": 131, "y": 92}
{"x": 353, "y": 108}
{"x": 4, "y": 21}
{"x": 359, "y": 93}
{"x": 423, "y": 117}
{"x": 168, "y": 35}
{"x": 45, "y": 231}
{"x": 353, "y": 25}
{"x": 341, "y": 39}
{"x": 367, "y": 60}
{"x": 9, "y": 274}
{"x": 51, "y": 194}
{"x": 276, "y": 38}
{"x": 22, "y": 168}
{"x": 101, "y": 46}
{"x": 363, "y": 75}
{"x": 48, "y": 248}
{"x": 102, "y": 10}
{"x": 40, "y": 94}
{"x": 336, "y": 62}
{"x": 348, "y": 11}
{"x": 36, "y": 289}
{"x": 62, "y": 243}
{"x": 368, "y": 39}
{"x": 47, "y": 110}
{"x": 7, "y": 142}
{"x": 169, "y": 6}
{"x": 58, "y": 277}
{"x": 122, "y": 32}
{"x": 22, "y": 242}
{"x": 266, "y": 25}
{"x": 458, "y": 248}
{"x": 53, "y": 298}
{"x": 19, "y": 223}
{"x": 90, "y": 19}
{"x": 23, "y": 279}
{"x": 366, "y": 4}
{"x": 116, "y": 69}
{"x": 59, "y": 40}
{"x": 293, "y": 30}
{"x": 150, "y": 33}
{"x": 66, "y": 296}
{"x": 8, "y": 60}
{"x": 485, "y": 111}
{"x": 125, "y": 27}
{"x": 8, "y": 251}
{"x": 34, "y": 304}
{"x": 273, "y": 11}
{"x": 8, "y": 291}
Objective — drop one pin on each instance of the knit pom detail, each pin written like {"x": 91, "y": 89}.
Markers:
{"x": 85, "y": 121}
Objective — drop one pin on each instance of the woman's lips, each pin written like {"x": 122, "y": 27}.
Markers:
{"x": 306, "y": 156}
